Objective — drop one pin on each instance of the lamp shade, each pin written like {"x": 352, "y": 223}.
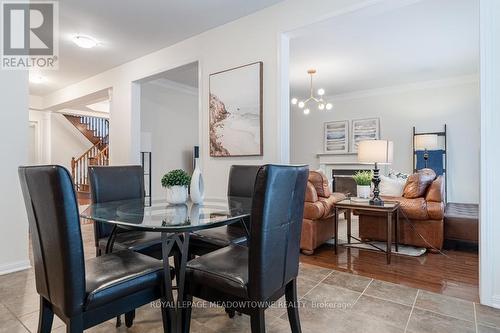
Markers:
{"x": 375, "y": 151}
{"x": 426, "y": 141}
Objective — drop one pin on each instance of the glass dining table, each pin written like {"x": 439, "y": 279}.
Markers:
{"x": 175, "y": 223}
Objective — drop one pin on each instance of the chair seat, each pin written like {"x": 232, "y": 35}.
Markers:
{"x": 115, "y": 275}
{"x": 225, "y": 269}
{"x": 219, "y": 237}
{"x": 138, "y": 241}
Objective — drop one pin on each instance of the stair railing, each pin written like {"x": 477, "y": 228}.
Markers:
{"x": 98, "y": 154}
{"x": 100, "y": 126}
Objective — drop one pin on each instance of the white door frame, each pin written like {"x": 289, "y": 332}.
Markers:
{"x": 489, "y": 231}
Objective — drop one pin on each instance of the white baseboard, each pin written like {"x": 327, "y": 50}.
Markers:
{"x": 494, "y": 301}
{"x": 15, "y": 267}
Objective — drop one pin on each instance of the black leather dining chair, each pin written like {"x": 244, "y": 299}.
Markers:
{"x": 113, "y": 183}
{"x": 255, "y": 276}
{"x": 241, "y": 183}
{"x": 83, "y": 293}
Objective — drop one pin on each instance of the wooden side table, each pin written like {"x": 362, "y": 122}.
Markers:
{"x": 390, "y": 208}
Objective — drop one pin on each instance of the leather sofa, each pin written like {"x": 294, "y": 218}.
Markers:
{"x": 421, "y": 214}
{"x": 318, "y": 224}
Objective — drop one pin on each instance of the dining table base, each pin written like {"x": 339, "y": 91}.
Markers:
{"x": 178, "y": 246}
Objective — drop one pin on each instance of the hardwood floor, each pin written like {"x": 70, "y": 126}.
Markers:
{"x": 453, "y": 274}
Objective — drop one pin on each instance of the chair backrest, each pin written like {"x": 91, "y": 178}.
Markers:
{"x": 113, "y": 183}
{"x": 242, "y": 180}
{"x": 241, "y": 183}
{"x": 54, "y": 222}
{"x": 277, "y": 212}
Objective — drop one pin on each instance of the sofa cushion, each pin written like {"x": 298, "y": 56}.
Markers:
{"x": 417, "y": 183}
{"x": 435, "y": 192}
{"x": 414, "y": 209}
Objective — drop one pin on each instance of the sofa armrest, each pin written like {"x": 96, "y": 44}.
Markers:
{"x": 435, "y": 210}
{"x": 311, "y": 194}
{"x": 314, "y": 210}
{"x": 320, "y": 182}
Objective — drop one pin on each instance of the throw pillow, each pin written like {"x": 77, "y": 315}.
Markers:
{"x": 391, "y": 186}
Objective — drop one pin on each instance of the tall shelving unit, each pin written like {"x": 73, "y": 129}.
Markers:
{"x": 443, "y": 135}
{"x": 146, "y": 167}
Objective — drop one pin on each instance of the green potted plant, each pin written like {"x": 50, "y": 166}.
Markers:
{"x": 176, "y": 183}
{"x": 363, "y": 181}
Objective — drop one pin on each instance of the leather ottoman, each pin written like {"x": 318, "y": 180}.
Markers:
{"x": 461, "y": 224}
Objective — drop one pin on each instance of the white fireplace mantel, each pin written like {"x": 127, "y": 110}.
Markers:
{"x": 346, "y": 161}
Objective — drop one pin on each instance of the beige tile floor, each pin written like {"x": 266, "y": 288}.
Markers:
{"x": 331, "y": 301}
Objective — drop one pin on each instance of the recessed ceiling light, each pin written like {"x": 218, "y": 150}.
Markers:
{"x": 85, "y": 42}
{"x": 37, "y": 78}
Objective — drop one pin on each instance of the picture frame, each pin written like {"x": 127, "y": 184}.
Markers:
{"x": 336, "y": 137}
{"x": 364, "y": 129}
{"x": 236, "y": 111}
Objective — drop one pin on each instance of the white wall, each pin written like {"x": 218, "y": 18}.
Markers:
{"x": 252, "y": 38}
{"x": 13, "y": 146}
{"x": 170, "y": 116}
{"x": 427, "y": 106}
{"x": 66, "y": 141}
{"x": 59, "y": 139}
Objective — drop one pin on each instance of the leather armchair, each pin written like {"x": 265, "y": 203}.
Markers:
{"x": 319, "y": 222}
{"x": 255, "y": 276}
{"x": 421, "y": 213}
{"x": 113, "y": 183}
{"x": 241, "y": 184}
{"x": 82, "y": 293}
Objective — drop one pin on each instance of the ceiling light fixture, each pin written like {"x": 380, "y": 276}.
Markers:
{"x": 85, "y": 42}
{"x": 320, "y": 101}
{"x": 37, "y": 79}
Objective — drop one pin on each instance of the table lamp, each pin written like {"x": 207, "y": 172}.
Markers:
{"x": 426, "y": 142}
{"x": 378, "y": 152}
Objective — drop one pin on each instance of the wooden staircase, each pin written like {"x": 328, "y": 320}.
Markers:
{"x": 96, "y": 130}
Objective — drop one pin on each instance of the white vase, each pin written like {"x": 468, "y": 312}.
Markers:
{"x": 363, "y": 191}
{"x": 196, "y": 188}
{"x": 177, "y": 194}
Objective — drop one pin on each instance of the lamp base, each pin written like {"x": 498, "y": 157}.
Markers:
{"x": 377, "y": 201}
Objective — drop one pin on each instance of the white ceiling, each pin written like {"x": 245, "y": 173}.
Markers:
{"x": 426, "y": 40}
{"x": 128, "y": 29}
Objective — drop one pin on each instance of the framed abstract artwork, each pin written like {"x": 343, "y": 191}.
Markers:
{"x": 235, "y": 111}
{"x": 364, "y": 129}
{"x": 336, "y": 139}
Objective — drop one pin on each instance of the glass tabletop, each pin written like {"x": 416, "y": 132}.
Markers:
{"x": 164, "y": 217}
{"x": 356, "y": 203}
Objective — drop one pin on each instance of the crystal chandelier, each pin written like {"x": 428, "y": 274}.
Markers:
{"x": 320, "y": 101}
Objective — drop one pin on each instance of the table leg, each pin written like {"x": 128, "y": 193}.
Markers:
{"x": 180, "y": 269}
{"x": 349, "y": 215}
{"x": 336, "y": 218}
{"x": 396, "y": 230}
{"x": 389, "y": 237}
{"x": 111, "y": 239}
{"x": 168, "y": 242}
